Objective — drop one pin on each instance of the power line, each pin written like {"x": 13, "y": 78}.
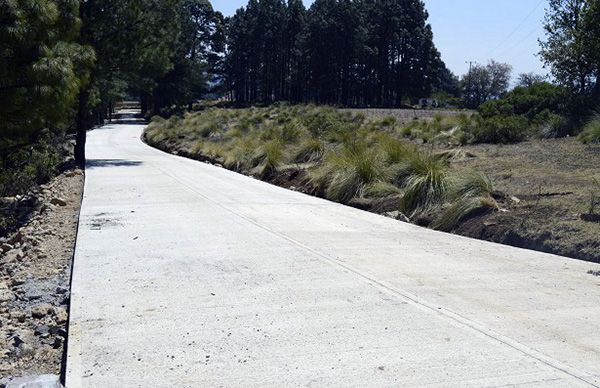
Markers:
{"x": 521, "y": 41}
{"x": 515, "y": 29}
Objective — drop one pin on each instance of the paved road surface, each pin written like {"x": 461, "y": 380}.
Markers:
{"x": 188, "y": 275}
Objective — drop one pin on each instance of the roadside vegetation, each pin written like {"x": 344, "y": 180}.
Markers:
{"x": 436, "y": 172}
{"x": 22, "y": 170}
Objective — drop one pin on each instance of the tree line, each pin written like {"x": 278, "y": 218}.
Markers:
{"x": 345, "y": 52}
{"x": 64, "y": 63}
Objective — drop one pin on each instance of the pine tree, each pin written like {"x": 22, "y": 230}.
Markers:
{"x": 41, "y": 67}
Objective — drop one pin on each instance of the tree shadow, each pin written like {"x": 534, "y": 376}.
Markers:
{"x": 97, "y": 163}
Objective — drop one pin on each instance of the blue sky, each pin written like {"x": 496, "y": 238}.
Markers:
{"x": 475, "y": 30}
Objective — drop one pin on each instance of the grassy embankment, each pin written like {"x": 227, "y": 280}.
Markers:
{"x": 424, "y": 171}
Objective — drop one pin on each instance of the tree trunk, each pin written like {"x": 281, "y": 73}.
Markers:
{"x": 82, "y": 127}
{"x": 144, "y": 103}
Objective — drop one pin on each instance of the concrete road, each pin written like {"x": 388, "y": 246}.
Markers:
{"x": 188, "y": 275}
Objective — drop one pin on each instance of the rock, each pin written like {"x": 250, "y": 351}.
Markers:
{"x": 393, "y": 214}
{"x": 58, "y": 201}
{"x": 59, "y": 331}
{"x": 42, "y": 331}
{"x": 33, "y": 295}
{"x": 42, "y": 381}
{"x": 397, "y": 216}
{"x": 515, "y": 199}
{"x": 16, "y": 238}
{"x": 19, "y": 315}
{"x": 61, "y": 315}
{"x": 5, "y": 247}
{"x": 16, "y": 281}
{"x": 41, "y": 310}
{"x": 61, "y": 290}
{"x": 25, "y": 350}
{"x": 58, "y": 342}
{"x": 6, "y": 294}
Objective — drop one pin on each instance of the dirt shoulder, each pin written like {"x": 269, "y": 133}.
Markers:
{"x": 35, "y": 274}
{"x": 549, "y": 186}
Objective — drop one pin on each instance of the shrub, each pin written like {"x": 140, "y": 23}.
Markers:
{"x": 28, "y": 166}
{"x": 528, "y": 101}
{"x": 500, "y": 129}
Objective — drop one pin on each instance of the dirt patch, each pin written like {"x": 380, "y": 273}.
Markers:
{"x": 548, "y": 185}
{"x": 35, "y": 273}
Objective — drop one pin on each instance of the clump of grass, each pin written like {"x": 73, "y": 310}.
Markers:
{"x": 395, "y": 150}
{"x": 349, "y": 171}
{"x": 470, "y": 194}
{"x": 591, "y": 131}
{"x": 474, "y": 184}
{"x": 271, "y": 156}
{"x": 460, "y": 209}
{"x": 239, "y": 155}
{"x": 425, "y": 179}
{"x": 310, "y": 150}
{"x": 381, "y": 189}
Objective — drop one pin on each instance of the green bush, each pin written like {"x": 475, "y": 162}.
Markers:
{"x": 501, "y": 129}
{"x": 541, "y": 106}
{"x": 528, "y": 101}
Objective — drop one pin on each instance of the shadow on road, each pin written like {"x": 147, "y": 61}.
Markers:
{"x": 97, "y": 163}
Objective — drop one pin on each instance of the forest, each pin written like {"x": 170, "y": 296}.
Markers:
{"x": 65, "y": 63}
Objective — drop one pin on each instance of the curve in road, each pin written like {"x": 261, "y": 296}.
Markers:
{"x": 190, "y": 275}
